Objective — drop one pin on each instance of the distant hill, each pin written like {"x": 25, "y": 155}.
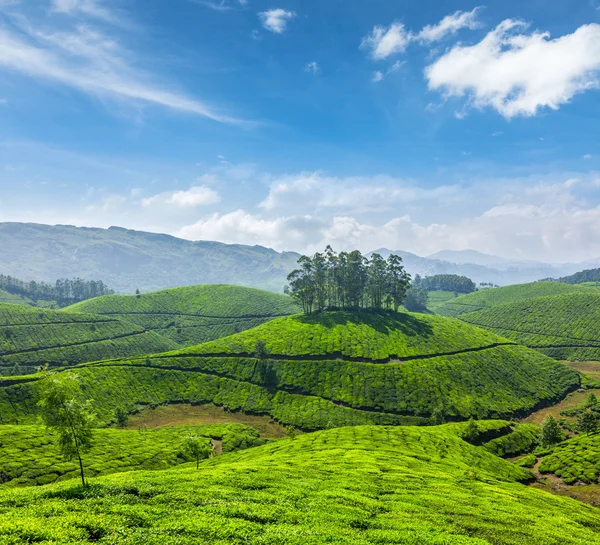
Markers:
{"x": 561, "y": 326}
{"x": 127, "y": 260}
{"x": 487, "y": 298}
{"x": 352, "y": 486}
{"x": 590, "y": 275}
{"x": 31, "y": 337}
{"x": 332, "y": 369}
{"x": 193, "y": 314}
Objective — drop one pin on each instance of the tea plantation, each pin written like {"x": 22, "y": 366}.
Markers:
{"x": 28, "y": 455}
{"x": 356, "y": 486}
{"x": 319, "y": 374}
{"x": 487, "y": 298}
{"x": 561, "y": 326}
{"x": 193, "y": 314}
{"x": 575, "y": 460}
{"x": 30, "y": 337}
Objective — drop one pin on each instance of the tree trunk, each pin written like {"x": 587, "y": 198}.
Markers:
{"x": 81, "y": 470}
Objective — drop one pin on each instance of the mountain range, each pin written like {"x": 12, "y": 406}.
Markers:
{"x": 127, "y": 260}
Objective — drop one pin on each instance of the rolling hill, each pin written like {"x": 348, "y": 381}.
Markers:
{"x": 357, "y": 486}
{"x": 561, "y": 326}
{"x": 482, "y": 299}
{"x": 194, "y": 314}
{"x": 30, "y": 337}
{"x": 332, "y": 369}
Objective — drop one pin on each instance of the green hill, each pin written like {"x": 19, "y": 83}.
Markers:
{"x": 561, "y": 326}
{"x": 332, "y": 369}
{"x": 509, "y": 294}
{"x": 437, "y": 298}
{"x": 194, "y": 314}
{"x": 29, "y": 456}
{"x": 6, "y": 297}
{"x": 355, "y": 486}
{"x": 30, "y": 337}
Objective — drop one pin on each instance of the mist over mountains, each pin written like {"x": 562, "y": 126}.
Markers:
{"x": 127, "y": 260}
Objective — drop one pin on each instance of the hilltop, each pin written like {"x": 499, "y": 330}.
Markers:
{"x": 561, "y": 326}
{"x": 194, "y": 314}
{"x": 486, "y": 298}
{"x": 30, "y": 337}
{"x": 331, "y": 369}
{"x": 358, "y": 486}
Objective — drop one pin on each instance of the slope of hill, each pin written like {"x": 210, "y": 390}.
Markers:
{"x": 481, "y": 299}
{"x": 194, "y": 314}
{"x": 589, "y": 275}
{"x": 29, "y": 455}
{"x": 575, "y": 460}
{"x": 356, "y": 486}
{"x": 328, "y": 370}
{"x": 30, "y": 337}
{"x": 562, "y": 326}
{"x": 128, "y": 260}
{"x": 6, "y": 297}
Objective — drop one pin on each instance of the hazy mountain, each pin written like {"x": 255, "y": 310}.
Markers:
{"x": 128, "y": 260}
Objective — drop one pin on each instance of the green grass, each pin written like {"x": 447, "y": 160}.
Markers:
{"x": 561, "y": 326}
{"x": 438, "y": 298}
{"x": 487, "y": 298}
{"x": 352, "y": 486}
{"x": 30, "y": 337}
{"x": 320, "y": 375}
{"x": 575, "y": 460}
{"x": 195, "y": 314}
{"x": 29, "y": 457}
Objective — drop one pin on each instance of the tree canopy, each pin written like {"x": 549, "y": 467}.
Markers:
{"x": 348, "y": 281}
{"x": 445, "y": 282}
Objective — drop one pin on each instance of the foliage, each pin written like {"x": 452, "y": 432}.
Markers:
{"x": 355, "y": 486}
{"x": 65, "y": 412}
{"x": 522, "y": 439}
{"x": 470, "y": 432}
{"x": 577, "y": 459}
{"x": 416, "y": 299}
{"x": 348, "y": 281}
{"x": 63, "y": 291}
{"x": 487, "y": 298}
{"x": 550, "y": 432}
{"x": 529, "y": 461}
{"x": 589, "y": 275}
{"x": 197, "y": 447}
{"x": 121, "y": 417}
{"x": 194, "y": 314}
{"x": 560, "y": 326}
{"x": 28, "y": 456}
{"x": 445, "y": 282}
{"x": 31, "y": 337}
{"x": 587, "y": 422}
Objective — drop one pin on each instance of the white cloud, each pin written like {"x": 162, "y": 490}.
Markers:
{"x": 450, "y": 24}
{"x": 92, "y": 8}
{"x": 588, "y": 156}
{"x": 93, "y": 63}
{"x": 276, "y": 20}
{"x": 379, "y": 75}
{"x": 195, "y": 196}
{"x": 518, "y": 73}
{"x": 312, "y": 68}
{"x": 386, "y": 41}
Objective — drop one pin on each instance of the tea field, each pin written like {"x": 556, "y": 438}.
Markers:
{"x": 28, "y": 455}
{"x": 561, "y": 326}
{"x": 30, "y": 337}
{"x": 575, "y": 460}
{"x": 356, "y": 486}
{"x": 193, "y": 314}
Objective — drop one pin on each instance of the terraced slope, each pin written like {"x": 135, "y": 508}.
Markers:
{"x": 487, "y": 298}
{"x": 575, "y": 460}
{"x": 194, "y": 314}
{"x": 6, "y": 297}
{"x": 334, "y": 369}
{"x": 30, "y": 337}
{"x": 356, "y": 486}
{"x": 29, "y": 456}
{"x": 437, "y": 298}
{"x": 565, "y": 327}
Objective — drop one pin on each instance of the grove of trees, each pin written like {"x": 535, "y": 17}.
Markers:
{"x": 348, "y": 280}
{"x": 63, "y": 291}
{"x": 445, "y": 282}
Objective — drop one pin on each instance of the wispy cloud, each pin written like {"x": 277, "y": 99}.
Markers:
{"x": 450, "y": 24}
{"x": 380, "y": 75}
{"x": 276, "y": 20}
{"x": 93, "y": 63}
{"x": 91, "y": 8}
{"x": 383, "y": 42}
{"x": 312, "y": 68}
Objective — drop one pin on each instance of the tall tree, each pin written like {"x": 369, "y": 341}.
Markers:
{"x": 398, "y": 280}
{"x": 64, "y": 411}
{"x": 197, "y": 447}
{"x": 551, "y": 432}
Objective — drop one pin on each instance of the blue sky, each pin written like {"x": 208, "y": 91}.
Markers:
{"x": 362, "y": 123}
